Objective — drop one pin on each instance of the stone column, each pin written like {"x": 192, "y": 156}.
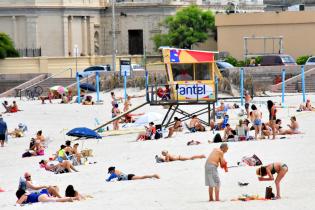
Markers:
{"x": 70, "y": 41}
{"x": 14, "y": 32}
{"x": 84, "y": 36}
{"x": 65, "y": 36}
{"x": 91, "y": 36}
{"x": 31, "y": 32}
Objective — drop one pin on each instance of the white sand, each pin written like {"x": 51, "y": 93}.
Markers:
{"x": 182, "y": 183}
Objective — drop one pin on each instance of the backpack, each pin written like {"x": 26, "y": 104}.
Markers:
{"x": 158, "y": 133}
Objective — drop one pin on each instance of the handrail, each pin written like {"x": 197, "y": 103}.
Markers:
{"x": 46, "y": 79}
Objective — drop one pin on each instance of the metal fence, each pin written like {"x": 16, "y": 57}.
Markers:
{"x": 30, "y": 52}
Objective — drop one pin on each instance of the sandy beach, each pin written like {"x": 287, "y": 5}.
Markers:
{"x": 182, "y": 182}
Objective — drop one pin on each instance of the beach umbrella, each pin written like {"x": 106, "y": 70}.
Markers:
{"x": 59, "y": 89}
{"x": 87, "y": 86}
{"x": 83, "y": 132}
{"x": 148, "y": 117}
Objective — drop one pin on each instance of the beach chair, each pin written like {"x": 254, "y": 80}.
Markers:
{"x": 223, "y": 124}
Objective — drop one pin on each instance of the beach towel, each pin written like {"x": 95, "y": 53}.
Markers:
{"x": 252, "y": 161}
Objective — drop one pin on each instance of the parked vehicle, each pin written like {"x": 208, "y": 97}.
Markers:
{"x": 277, "y": 60}
{"x": 136, "y": 67}
{"x": 223, "y": 66}
{"x": 93, "y": 69}
{"x": 310, "y": 61}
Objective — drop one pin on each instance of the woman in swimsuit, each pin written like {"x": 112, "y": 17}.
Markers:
{"x": 177, "y": 127}
{"x": 272, "y": 117}
{"x": 114, "y": 173}
{"x": 269, "y": 170}
{"x": 167, "y": 157}
{"x": 115, "y": 113}
{"x": 42, "y": 196}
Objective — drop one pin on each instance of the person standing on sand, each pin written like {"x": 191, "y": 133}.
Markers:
{"x": 3, "y": 131}
{"x": 212, "y": 178}
{"x": 280, "y": 168}
{"x": 248, "y": 98}
{"x": 257, "y": 116}
{"x": 272, "y": 117}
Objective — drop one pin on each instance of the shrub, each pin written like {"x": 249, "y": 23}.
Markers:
{"x": 302, "y": 59}
{"x": 7, "y": 47}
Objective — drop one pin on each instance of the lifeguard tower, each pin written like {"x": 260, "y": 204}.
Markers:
{"x": 191, "y": 80}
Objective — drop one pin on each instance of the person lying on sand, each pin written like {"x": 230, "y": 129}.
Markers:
{"x": 293, "y": 127}
{"x": 167, "y": 157}
{"x": 28, "y": 185}
{"x": 42, "y": 196}
{"x": 54, "y": 166}
{"x": 114, "y": 173}
{"x": 71, "y": 192}
{"x": 280, "y": 168}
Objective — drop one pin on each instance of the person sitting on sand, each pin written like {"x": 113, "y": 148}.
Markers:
{"x": 55, "y": 166}
{"x": 279, "y": 129}
{"x": 293, "y": 127}
{"x": 42, "y": 196}
{"x": 167, "y": 157}
{"x": 176, "y": 127}
{"x": 14, "y": 107}
{"x": 64, "y": 99}
{"x": 40, "y": 138}
{"x": 61, "y": 153}
{"x": 212, "y": 179}
{"x": 73, "y": 151}
{"x": 195, "y": 125}
{"x": 280, "y": 168}
{"x": 114, "y": 173}
{"x": 307, "y": 106}
{"x": 49, "y": 97}
{"x": 88, "y": 101}
{"x": 149, "y": 133}
{"x": 242, "y": 130}
{"x": 228, "y": 133}
{"x": 266, "y": 130}
{"x": 28, "y": 185}
{"x": 16, "y": 133}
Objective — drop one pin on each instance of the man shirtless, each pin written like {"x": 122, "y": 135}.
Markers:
{"x": 248, "y": 98}
{"x": 167, "y": 157}
{"x": 195, "y": 125}
{"x": 212, "y": 179}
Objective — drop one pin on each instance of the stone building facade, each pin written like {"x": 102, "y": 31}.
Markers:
{"x": 58, "y": 26}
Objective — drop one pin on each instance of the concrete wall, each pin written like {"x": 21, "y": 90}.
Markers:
{"x": 297, "y": 29}
{"x": 55, "y": 65}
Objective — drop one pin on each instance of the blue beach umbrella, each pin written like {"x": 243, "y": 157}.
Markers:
{"x": 83, "y": 132}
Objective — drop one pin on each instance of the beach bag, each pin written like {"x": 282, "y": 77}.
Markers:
{"x": 269, "y": 194}
{"x": 217, "y": 138}
{"x": 158, "y": 133}
{"x": 26, "y": 154}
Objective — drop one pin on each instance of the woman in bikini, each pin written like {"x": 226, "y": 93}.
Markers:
{"x": 167, "y": 157}
{"x": 272, "y": 117}
{"x": 115, "y": 113}
{"x": 269, "y": 170}
{"x": 177, "y": 127}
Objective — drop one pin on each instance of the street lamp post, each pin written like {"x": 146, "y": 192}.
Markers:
{"x": 113, "y": 36}
{"x": 76, "y": 49}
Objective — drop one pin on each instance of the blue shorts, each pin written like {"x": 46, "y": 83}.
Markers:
{"x": 257, "y": 122}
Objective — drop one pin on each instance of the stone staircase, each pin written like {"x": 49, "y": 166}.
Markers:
{"x": 294, "y": 84}
{"x": 56, "y": 81}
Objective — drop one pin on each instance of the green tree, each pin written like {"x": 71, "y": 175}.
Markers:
{"x": 188, "y": 26}
{"x": 302, "y": 59}
{"x": 7, "y": 47}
